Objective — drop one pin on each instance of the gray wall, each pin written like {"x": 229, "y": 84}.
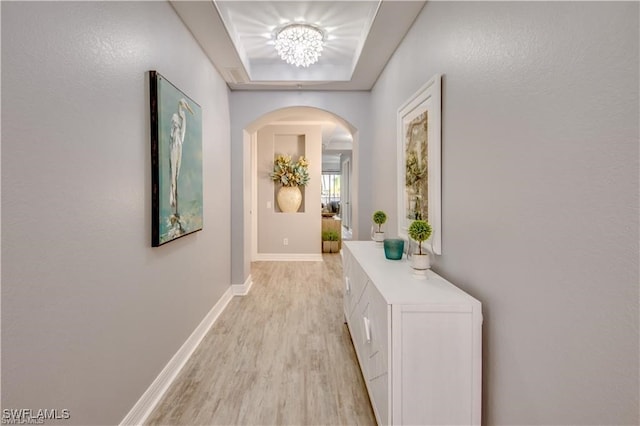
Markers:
{"x": 90, "y": 312}
{"x": 540, "y": 194}
{"x": 303, "y": 228}
{"x": 246, "y": 108}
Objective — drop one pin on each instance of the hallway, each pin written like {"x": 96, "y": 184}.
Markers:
{"x": 280, "y": 355}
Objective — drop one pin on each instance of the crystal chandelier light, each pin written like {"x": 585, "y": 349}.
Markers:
{"x": 299, "y": 44}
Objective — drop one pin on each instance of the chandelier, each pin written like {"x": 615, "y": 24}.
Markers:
{"x": 299, "y": 44}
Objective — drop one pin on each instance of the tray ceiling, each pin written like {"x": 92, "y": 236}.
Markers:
{"x": 238, "y": 36}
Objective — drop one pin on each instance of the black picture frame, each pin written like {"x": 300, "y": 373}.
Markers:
{"x": 176, "y": 162}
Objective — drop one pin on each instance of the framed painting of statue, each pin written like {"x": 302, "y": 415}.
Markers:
{"x": 176, "y": 162}
{"x": 419, "y": 161}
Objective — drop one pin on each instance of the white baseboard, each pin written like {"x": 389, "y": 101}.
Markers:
{"x": 148, "y": 401}
{"x": 242, "y": 289}
{"x": 288, "y": 257}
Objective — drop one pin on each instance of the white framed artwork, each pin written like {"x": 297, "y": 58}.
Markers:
{"x": 419, "y": 161}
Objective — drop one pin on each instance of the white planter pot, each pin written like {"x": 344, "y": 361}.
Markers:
{"x": 420, "y": 262}
{"x": 326, "y": 246}
{"x": 378, "y": 237}
{"x": 289, "y": 199}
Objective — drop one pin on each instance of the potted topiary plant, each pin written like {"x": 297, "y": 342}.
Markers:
{"x": 420, "y": 231}
{"x": 379, "y": 218}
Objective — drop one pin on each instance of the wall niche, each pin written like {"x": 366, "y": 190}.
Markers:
{"x": 294, "y": 146}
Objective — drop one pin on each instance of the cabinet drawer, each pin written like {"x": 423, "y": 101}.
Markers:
{"x": 355, "y": 280}
{"x": 370, "y": 331}
{"x": 360, "y": 334}
{"x": 378, "y": 364}
{"x": 380, "y": 324}
{"x": 347, "y": 267}
{"x": 379, "y": 395}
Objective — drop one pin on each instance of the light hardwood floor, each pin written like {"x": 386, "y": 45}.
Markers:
{"x": 281, "y": 355}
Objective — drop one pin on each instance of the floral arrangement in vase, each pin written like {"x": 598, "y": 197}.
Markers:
{"x": 288, "y": 173}
{"x": 291, "y": 176}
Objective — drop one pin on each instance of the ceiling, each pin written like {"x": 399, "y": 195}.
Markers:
{"x": 360, "y": 37}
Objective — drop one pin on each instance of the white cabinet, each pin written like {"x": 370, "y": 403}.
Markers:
{"x": 418, "y": 341}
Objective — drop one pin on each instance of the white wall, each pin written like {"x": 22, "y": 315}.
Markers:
{"x": 246, "y": 108}
{"x": 540, "y": 194}
{"x": 90, "y": 312}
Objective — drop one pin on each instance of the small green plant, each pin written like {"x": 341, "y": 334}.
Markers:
{"x": 420, "y": 231}
{"x": 379, "y": 218}
{"x": 330, "y": 236}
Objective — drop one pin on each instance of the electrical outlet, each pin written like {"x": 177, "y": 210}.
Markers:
{"x": 285, "y": 242}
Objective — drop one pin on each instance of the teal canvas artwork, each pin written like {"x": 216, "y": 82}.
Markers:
{"x": 176, "y": 162}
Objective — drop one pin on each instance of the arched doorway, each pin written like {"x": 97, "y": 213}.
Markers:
{"x": 295, "y": 116}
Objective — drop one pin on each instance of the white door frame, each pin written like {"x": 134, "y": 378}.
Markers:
{"x": 345, "y": 193}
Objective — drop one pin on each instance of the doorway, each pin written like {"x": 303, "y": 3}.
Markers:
{"x": 299, "y": 116}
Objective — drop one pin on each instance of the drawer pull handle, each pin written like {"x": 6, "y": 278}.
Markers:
{"x": 347, "y": 285}
{"x": 367, "y": 329}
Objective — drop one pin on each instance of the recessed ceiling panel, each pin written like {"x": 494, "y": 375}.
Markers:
{"x": 237, "y": 36}
{"x": 252, "y": 26}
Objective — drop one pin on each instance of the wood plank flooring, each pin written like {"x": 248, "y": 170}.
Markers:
{"x": 281, "y": 355}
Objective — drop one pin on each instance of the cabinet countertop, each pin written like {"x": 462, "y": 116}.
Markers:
{"x": 397, "y": 282}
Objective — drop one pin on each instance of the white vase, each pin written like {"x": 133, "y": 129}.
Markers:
{"x": 289, "y": 199}
{"x": 377, "y": 234}
{"x": 420, "y": 262}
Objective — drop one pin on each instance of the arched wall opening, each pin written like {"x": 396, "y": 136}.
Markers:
{"x": 291, "y": 116}
{"x": 251, "y": 110}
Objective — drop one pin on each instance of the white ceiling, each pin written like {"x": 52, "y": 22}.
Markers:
{"x": 360, "y": 38}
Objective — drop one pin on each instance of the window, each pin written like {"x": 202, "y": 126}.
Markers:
{"x": 331, "y": 192}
